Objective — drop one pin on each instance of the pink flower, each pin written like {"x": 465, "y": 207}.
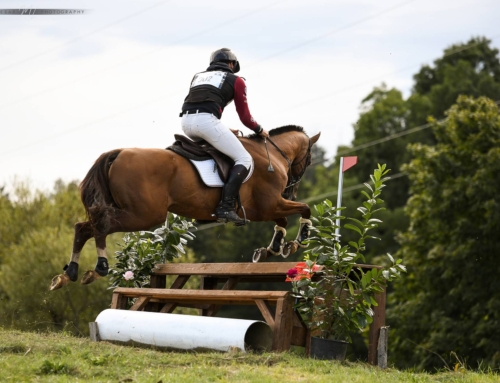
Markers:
{"x": 128, "y": 275}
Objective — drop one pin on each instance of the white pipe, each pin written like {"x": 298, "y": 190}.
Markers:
{"x": 183, "y": 332}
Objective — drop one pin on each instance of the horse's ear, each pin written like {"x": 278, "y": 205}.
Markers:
{"x": 315, "y": 138}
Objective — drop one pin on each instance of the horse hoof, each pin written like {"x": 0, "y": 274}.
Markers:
{"x": 59, "y": 281}
{"x": 289, "y": 248}
{"x": 89, "y": 277}
{"x": 259, "y": 255}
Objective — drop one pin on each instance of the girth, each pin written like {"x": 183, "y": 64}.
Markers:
{"x": 201, "y": 151}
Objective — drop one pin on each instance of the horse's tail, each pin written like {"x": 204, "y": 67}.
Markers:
{"x": 96, "y": 195}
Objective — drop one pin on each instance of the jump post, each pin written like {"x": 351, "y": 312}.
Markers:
{"x": 287, "y": 326}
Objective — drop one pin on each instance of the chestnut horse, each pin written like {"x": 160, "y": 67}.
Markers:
{"x": 130, "y": 190}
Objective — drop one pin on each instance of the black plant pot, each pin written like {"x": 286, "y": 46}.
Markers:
{"x": 328, "y": 349}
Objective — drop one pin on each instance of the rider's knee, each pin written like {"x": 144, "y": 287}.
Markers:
{"x": 246, "y": 161}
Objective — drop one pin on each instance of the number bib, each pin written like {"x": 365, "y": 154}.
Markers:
{"x": 215, "y": 79}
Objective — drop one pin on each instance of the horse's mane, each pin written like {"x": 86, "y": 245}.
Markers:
{"x": 280, "y": 130}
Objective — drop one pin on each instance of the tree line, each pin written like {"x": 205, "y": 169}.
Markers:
{"x": 443, "y": 144}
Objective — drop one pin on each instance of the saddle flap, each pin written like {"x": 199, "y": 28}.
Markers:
{"x": 200, "y": 151}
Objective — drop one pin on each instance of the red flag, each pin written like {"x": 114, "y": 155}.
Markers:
{"x": 349, "y": 162}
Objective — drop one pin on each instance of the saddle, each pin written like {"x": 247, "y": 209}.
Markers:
{"x": 202, "y": 151}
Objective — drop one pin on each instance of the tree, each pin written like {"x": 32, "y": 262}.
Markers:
{"x": 450, "y": 300}
{"x": 36, "y": 234}
{"x": 472, "y": 68}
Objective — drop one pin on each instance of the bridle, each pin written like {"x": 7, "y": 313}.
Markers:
{"x": 294, "y": 180}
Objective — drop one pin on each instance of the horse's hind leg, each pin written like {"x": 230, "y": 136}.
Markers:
{"x": 102, "y": 266}
{"x": 83, "y": 232}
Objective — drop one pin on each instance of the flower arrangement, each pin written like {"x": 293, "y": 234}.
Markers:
{"x": 141, "y": 251}
{"x": 339, "y": 301}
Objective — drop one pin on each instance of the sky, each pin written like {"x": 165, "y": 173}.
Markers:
{"x": 75, "y": 86}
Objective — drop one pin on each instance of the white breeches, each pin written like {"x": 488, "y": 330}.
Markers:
{"x": 209, "y": 128}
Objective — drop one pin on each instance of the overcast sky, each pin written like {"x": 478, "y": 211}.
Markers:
{"x": 75, "y": 86}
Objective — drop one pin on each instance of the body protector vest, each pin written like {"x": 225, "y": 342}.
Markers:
{"x": 214, "y": 85}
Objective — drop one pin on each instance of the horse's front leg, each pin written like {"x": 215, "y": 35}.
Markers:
{"x": 277, "y": 242}
{"x": 287, "y": 208}
{"x": 83, "y": 232}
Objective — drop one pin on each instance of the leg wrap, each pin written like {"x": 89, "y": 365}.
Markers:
{"x": 277, "y": 243}
{"x": 71, "y": 271}
{"x": 303, "y": 233}
{"x": 101, "y": 267}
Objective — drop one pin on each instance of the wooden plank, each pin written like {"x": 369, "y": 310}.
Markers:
{"x": 188, "y": 294}
{"x": 94, "y": 332}
{"x": 298, "y": 336}
{"x": 140, "y": 303}
{"x": 169, "y": 307}
{"x": 226, "y": 269}
{"x": 308, "y": 342}
{"x": 118, "y": 301}
{"x": 382, "y": 347}
{"x": 266, "y": 313}
{"x": 375, "y": 326}
{"x": 299, "y": 331}
{"x": 283, "y": 324}
{"x": 179, "y": 282}
{"x": 229, "y": 285}
{"x": 207, "y": 283}
{"x": 230, "y": 269}
{"x": 158, "y": 281}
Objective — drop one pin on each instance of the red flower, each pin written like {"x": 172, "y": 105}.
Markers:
{"x": 300, "y": 271}
{"x": 292, "y": 272}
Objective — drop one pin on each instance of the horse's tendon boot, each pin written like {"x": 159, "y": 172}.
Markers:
{"x": 102, "y": 267}
{"x": 304, "y": 232}
{"x": 71, "y": 271}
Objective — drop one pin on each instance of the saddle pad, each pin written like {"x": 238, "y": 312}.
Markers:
{"x": 209, "y": 175}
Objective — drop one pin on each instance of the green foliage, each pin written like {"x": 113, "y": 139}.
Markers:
{"x": 471, "y": 68}
{"x": 450, "y": 301}
{"x": 49, "y": 368}
{"x": 340, "y": 302}
{"x": 36, "y": 233}
{"x": 141, "y": 251}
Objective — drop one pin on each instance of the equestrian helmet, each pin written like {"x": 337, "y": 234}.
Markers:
{"x": 225, "y": 55}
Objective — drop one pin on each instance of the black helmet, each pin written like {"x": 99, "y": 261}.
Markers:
{"x": 225, "y": 55}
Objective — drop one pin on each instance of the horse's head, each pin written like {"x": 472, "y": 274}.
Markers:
{"x": 302, "y": 159}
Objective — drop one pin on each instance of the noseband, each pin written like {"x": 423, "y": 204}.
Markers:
{"x": 294, "y": 180}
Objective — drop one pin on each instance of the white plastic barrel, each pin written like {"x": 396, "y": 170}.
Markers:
{"x": 183, "y": 332}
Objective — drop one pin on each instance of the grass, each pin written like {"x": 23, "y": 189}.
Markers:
{"x": 56, "y": 357}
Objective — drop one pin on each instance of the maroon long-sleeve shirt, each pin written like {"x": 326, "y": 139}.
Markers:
{"x": 241, "y": 103}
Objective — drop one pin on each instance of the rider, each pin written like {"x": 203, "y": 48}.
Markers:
{"x": 209, "y": 93}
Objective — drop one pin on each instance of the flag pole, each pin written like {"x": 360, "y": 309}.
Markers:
{"x": 345, "y": 164}
{"x": 339, "y": 198}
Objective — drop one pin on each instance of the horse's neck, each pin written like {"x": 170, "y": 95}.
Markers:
{"x": 289, "y": 144}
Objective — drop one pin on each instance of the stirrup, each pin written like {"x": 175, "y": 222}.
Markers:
{"x": 230, "y": 216}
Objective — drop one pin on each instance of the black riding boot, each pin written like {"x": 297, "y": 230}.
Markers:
{"x": 225, "y": 210}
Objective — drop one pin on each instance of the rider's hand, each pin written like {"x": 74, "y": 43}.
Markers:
{"x": 264, "y": 133}
{"x": 235, "y": 132}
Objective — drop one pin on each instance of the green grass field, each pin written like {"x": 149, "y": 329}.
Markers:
{"x": 55, "y": 357}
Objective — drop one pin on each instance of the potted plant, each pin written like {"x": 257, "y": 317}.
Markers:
{"x": 334, "y": 296}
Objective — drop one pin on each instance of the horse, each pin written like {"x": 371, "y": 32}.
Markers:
{"x": 133, "y": 189}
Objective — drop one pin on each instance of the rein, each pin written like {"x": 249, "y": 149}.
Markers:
{"x": 292, "y": 181}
